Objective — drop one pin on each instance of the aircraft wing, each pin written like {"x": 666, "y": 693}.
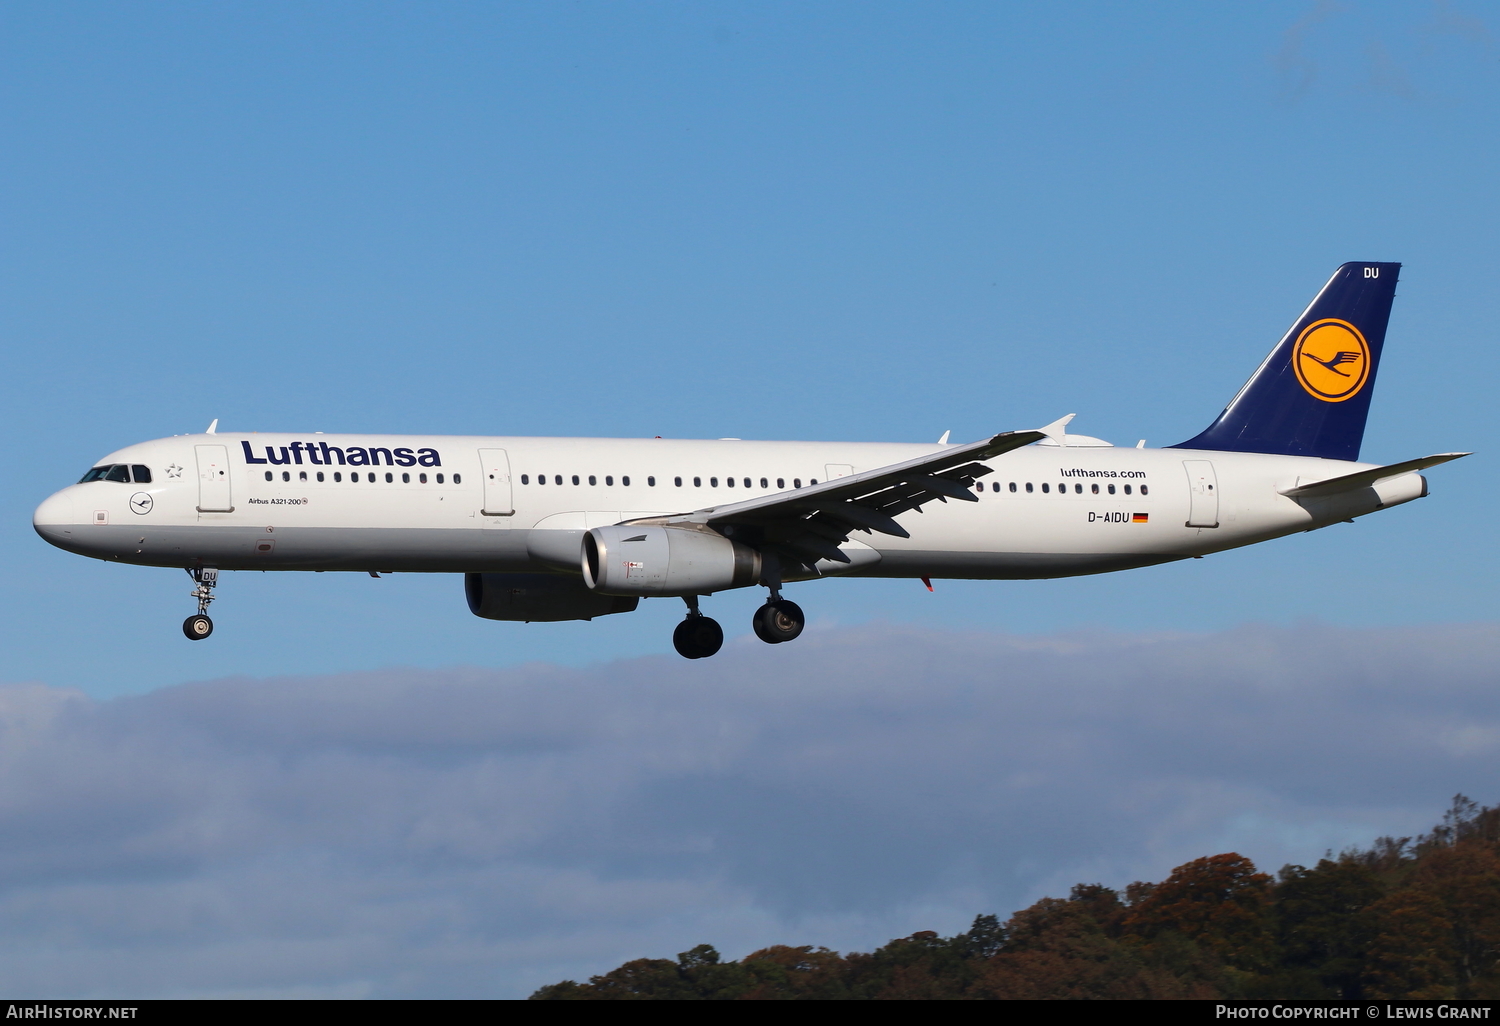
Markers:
{"x": 809, "y": 524}
{"x": 1365, "y": 478}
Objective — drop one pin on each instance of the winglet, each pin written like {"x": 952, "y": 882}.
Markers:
{"x": 1058, "y": 429}
{"x": 213, "y": 428}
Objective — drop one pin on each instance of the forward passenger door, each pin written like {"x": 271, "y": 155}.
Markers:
{"x": 213, "y": 479}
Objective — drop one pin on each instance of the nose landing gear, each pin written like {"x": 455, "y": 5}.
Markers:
{"x": 698, "y": 636}
{"x": 199, "y": 626}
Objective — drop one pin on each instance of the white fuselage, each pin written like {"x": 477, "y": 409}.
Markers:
{"x": 475, "y": 504}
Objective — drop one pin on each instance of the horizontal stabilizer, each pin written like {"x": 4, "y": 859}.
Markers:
{"x": 1365, "y": 478}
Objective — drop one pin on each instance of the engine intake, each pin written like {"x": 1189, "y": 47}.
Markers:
{"x": 626, "y": 560}
{"x": 539, "y": 598}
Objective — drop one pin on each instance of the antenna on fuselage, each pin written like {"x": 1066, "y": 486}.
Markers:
{"x": 944, "y": 439}
{"x": 213, "y": 428}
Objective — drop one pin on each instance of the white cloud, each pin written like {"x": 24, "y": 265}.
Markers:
{"x": 475, "y": 832}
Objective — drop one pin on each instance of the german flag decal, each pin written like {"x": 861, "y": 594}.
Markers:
{"x": 1139, "y": 518}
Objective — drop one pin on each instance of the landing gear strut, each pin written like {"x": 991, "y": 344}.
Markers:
{"x": 698, "y": 636}
{"x": 779, "y": 619}
{"x": 199, "y": 626}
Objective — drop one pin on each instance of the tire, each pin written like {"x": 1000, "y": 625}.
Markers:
{"x": 197, "y": 627}
{"x": 698, "y": 637}
{"x": 778, "y": 622}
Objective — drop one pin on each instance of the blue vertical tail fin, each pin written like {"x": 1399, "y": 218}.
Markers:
{"x": 1312, "y": 394}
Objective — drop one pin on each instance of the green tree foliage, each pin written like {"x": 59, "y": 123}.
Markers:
{"x": 1405, "y": 918}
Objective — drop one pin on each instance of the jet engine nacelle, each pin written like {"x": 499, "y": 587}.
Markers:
{"x": 626, "y": 560}
{"x": 538, "y": 597}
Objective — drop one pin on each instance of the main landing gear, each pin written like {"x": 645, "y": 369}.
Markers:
{"x": 778, "y": 620}
{"x": 699, "y": 636}
{"x": 199, "y": 626}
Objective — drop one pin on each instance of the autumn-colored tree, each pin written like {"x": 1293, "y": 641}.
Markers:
{"x": 1323, "y": 921}
{"x": 1059, "y": 949}
{"x": 1465, "y": 879}
{"x": 1218, "y": 902}
{"x": 1411, "y": 954}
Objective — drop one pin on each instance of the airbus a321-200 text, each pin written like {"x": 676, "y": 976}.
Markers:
{"x": 573, "y": 528}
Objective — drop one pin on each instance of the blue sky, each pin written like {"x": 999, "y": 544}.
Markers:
{"x": 844, "y": 221}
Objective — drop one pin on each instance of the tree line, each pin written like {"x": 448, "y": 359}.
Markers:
{"x": 1408, "y": 917}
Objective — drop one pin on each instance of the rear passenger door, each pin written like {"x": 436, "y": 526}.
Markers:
{"x": 1203, "y": 494}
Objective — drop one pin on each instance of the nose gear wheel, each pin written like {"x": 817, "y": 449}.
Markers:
{"x": 198, "y": 627}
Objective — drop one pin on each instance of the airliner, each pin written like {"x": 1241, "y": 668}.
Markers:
{"x": 548, "y": 529}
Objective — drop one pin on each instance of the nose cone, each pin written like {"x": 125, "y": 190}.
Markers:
{"x": 54, "y": 519}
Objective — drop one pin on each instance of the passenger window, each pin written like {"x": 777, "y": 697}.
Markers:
{"x": 389, "y": 477}
{"x": 286, "y": 475}
{"x": 556, "y": 479}
{"x": 268, "y": 475}
{"x": 541, "y": 479}
{"x": 422, "y": 478}
{"x": 796, "y": 482}
{"x": 713, "y": 482}
{"x": 525, "y": 478}
{"x": 458, "y": 479}
{"x": 575, "y": 479}
{"x": 624, "y": 482}
{"x": 1127, "y": 489}
{"x": 763, "y": 484}
{"x": 1046, "y": 488}
{"x": 1062, "y": 489}
{"x": 593, "y": 480}
{"x": 729, "y": 481}
{"x": 1028, "y": 487}
{"x": 995, "y": 487}
{"x": 1143, "y": 490}
{"x": 406, "y": 479}
{"x": 142, "y": 474}
{"x": 1012, "y": 486}
{"x": 1078, "y": 489}
{"x": 650, "y": 482}
{"x": 747, "y": 482}
{"x": 1094, "y": 488}
{"x": 440, "y": 479}
{"x": 337, "y": 476}
{"x": 1111, "y": 489}
{"x": 609, "y": 480}
{"x": 677, "y": 481}
{"x": 371, "y": 477}
{"x": 320, "y": 475}
{"x": 697, "y": 482}
{"x": 301, "y": 475}
{"x": 781, "y": 482}
{"x": 119, "y": 472}
{"x": 813, "y": 481}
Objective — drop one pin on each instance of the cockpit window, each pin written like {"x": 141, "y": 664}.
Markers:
{"x": 117, "y": 472}
{"x": 141, "y": 473}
